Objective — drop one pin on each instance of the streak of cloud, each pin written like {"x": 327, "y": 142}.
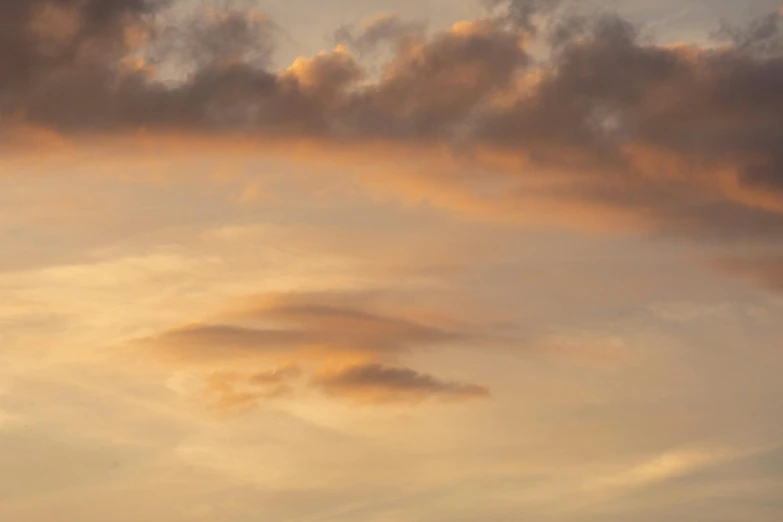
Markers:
{"x": 374, "y": 383}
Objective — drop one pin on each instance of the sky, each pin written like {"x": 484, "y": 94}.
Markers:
{"x": 391, "y": 261}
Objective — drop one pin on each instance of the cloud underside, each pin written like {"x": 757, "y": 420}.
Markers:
{"x": 370, "y": 384}
{"x": 676, "y": 139}
{"x": 329, "y": 343}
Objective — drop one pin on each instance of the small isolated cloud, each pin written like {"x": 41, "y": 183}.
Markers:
{"x": 375, "y": 383}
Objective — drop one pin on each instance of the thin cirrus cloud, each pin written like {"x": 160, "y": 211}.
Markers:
{"x": 685, "y": 141}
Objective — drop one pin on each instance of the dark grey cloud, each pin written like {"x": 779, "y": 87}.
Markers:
{"x": 84, "y": 80}
{"x": 48, "y": 42}
{"x": 762, "y": 37}
{"x": 381, "y": 384}
{"x": 686, "y": 139}
{"x": 522, "y": 12}
{"x": 211, "y": 38}
{"x": 606, "y": 91}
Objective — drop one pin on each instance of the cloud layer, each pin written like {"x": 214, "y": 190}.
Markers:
{"x": 674, "y": 138}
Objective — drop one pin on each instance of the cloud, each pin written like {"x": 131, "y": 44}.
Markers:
{"x": 229, "y": 86}
{"x": 217, "y": 38}
{"x": 375, "y": 383}
{"x": 761, "y": 37}
{"x": 310, "y": 334}
{"x": 685, "y": 141}
{"x": 662, "y": 468}
{"x": 308, "y": 326}
{"x": 218, "y": 341}
{"x": 384, "y": 28}
{"x": 235, "y": 391}
{"x": 522, "y": 12}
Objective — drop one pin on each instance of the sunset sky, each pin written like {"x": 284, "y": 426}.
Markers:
{"x": 391, "y": 261}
